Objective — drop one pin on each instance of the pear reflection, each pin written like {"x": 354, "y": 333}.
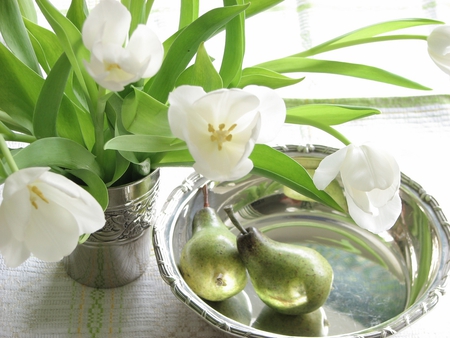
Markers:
{"x": 313, "y": 324}
{"x": 238, "y": 308}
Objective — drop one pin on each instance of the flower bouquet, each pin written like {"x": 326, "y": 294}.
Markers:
{"x": 99, "y": 101}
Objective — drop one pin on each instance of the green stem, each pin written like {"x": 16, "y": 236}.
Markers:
{"x": 7, "y": 154}
{"x": 229, "y": 210}
{"x": 9, "y": 135}
{"x": 326, "y": 128}
{"x": 336, "y": 134}
{"x": 99, "y": 120}
{"x": 22, "y": 138}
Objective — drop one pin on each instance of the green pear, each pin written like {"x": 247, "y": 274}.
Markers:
{"x": 289, "y": 278}
{"x": 313, "y": 324}
{"x": 209, "y": 262}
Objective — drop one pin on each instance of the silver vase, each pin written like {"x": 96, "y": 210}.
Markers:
{"x": 118, "y": 253}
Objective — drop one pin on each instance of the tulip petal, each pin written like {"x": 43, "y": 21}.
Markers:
{"x": 181, "y": 102}
{"x": 379, "y": 197}
{"x": 44, "y": 213}
{"x": 88, "y": 214}
{"x": 145, "y": 46}
{"x": 52, "y": 232}
{"x": 19, "y": 179}
{"x": 273, "y": 112}
{"x": 225, "y": 106}
{"x": 384, "y": 220}
{"x": 16, "y": 212}
{"x": 113, "y": 67}
{"x": 14, "y": 252}
{"x": 369, "y": 168}
{"x": 230, "y": 163}
{"x": 359, "y": 198}
{"x": 108, "y": 22}
{"x": 439, "y": 47}
{"x": 329, "y": 168}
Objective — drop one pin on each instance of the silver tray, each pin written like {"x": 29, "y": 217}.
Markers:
{"x": 382, "y": 283}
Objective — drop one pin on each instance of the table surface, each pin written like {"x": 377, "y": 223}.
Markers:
{"x": 38, "y": 299}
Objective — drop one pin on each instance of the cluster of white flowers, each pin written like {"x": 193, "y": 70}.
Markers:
{"x": 45, "y": 213}
{"x": 113, "y": 66}
{"x": 371, "y": 179}
{"x": 222, "y": 127}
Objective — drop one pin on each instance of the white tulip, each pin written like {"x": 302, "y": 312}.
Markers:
{"x": 44, "y": 213}
{"x": 112, "y": 65}
{"x": 439, "y": 47}
{"x": 371, "y": 180}
{"x": 222, "y": 127}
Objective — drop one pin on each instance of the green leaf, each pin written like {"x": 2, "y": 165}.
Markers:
{"x": 258, "y": 6}
{"x": 278, "y": 166}
{"x": 94, "y": 185}
{"x": 368, "y": 34}
{"x": 142, "y": 114}
{"x": 254, "y": 8}
{"x": 300, "y": 64}
{"x": 137, "y": 14}
{"x": 75, "y": 124}
{"x": 46, "y": 45}
{"x": 70, "y": 39}
{"x": 58, "y": 152}
{"x": 52, "y": 92}
{"x": 140, "y": 161}
{"x": 120, "y": 167}
{"x": 267, "y": 162}
{"x": 202, "y": 73}
{"x": 144, "y": 143}
{"x": 233, "y": 55}
{"x": 178, "y": 158}
{"x": 19, "y": 89}
{"x": 264, "y": 77}
{"x": 328, "y": 114}
{"x": 15, "y": 34}
{"x": 147, "y": 9}
{"x": 77, "y": 13}
{"x": 188, "y": 12}
{"x": 338, "y": 45}
{"x": 184, "y": 48}
{"x": 28, "y": 10}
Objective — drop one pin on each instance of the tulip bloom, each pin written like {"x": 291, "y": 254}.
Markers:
{"x": 112, "y": 65}
{"x": 221, "y": 127}
{"x": 439, "y": 47}
{"x": 371, "y": 179}
{"x": 44, "y": 213}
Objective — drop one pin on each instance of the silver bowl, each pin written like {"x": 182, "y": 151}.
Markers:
{"x": 382, "y": 283}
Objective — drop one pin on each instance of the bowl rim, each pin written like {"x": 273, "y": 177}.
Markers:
{"x": 162, "y": 242}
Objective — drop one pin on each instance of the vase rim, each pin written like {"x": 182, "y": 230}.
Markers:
{"x": 127, "y": 193}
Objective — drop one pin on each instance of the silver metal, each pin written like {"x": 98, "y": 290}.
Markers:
{"x": 120, "y": 252}
{"x": 383, "y": 283}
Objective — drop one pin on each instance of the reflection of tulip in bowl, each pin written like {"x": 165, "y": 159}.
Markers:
{"x": 382, "y": 282}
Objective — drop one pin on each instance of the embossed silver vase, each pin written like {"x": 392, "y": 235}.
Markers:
{"x": 118, "y": 253}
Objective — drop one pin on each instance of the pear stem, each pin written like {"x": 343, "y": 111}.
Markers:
{"x": 205, "y": 196}
{"x": 229, "y": 211}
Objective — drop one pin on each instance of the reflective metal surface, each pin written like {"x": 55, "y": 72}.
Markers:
{"x": 382, "y": 283}
{"x": 120, "y": 252}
